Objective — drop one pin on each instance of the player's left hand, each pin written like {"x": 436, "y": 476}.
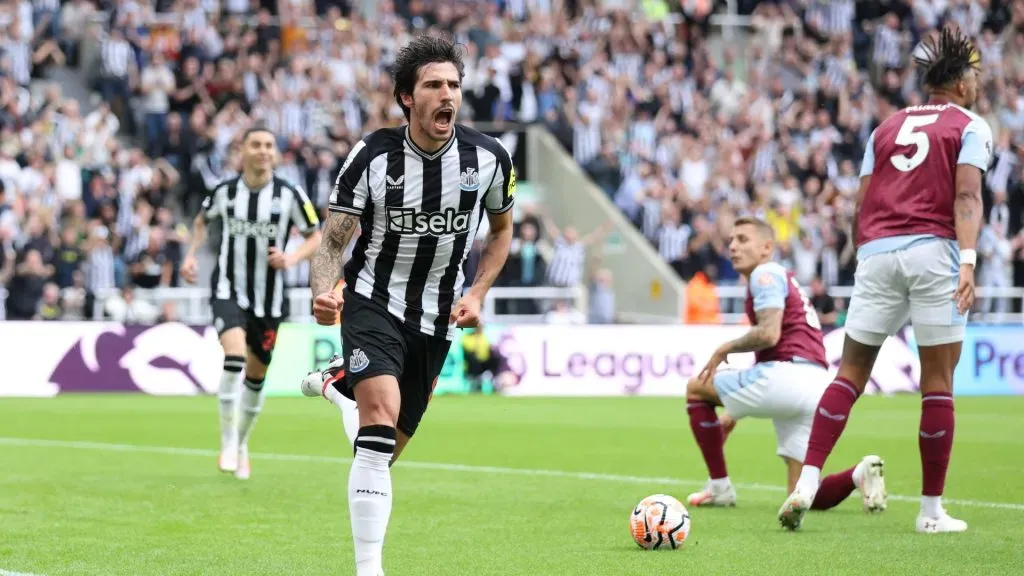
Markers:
{"x": 964, "y": 295}
{"x": 466, "y": 313}
{"x": 708, "y": 372}
{"x": 278, "y": 259}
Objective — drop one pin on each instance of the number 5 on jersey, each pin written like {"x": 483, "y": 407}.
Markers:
{"x": 910, "y": 136}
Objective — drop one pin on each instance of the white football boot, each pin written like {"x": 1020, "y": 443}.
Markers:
{"x": 791, "y": 515}
{"x": 943, "y": 523}
{"x": 318, "y": 383}
{"x": 315, "y": 383}
{"x": 709, "y": 497}
{"x": 872, "y": 484}
{"x": 242, "y": 471}
{"x": 228, "y": 459}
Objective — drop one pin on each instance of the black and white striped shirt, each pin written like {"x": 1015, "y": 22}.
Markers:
{"x": 419, "y": 212}
{"x": 888, "y": 47}
{"x": 117, "y": 57}
{"x": 673, "y": 240}
{"x": 99, "y": 270}
{"x": 831, "y": 17}
{"x": 567, "y": 262}
{"x": 254, "y": 222}
{"x": 20, "y": 54}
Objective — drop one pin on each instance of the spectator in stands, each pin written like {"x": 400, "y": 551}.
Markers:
{"x": 157, "y": 84}
{"x": 525, "y": 267}
{"x": 681, "y": 135}
{"x": 570, "y": 252}
{"x": 823, "y": 304}
{"x": 100, "y": 266}
{"x": 26, "y": 287}
{"x": 126, "y": 308}
{"x": 7, "y": 257}
{"x": 997, "y": 248}
{"x": 480, "y": 358}
{"x": 152, "y": 267}
{"x": 564, "y": 313}
{"x": 601, "y": 302}
{"x": 702, "y": 303}
{"x": 50, "y": 305}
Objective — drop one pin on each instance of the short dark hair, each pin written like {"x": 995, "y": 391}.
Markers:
{"x": 947, "y": 57}
{"x": 763, "y": 228}
{"x": 421, "y": 51}
{"x": 258, "y": 127}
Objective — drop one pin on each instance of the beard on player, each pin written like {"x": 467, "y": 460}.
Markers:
{"x": 434, "y": 105}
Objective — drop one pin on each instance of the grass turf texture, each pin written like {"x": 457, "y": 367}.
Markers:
{"x": 100, "y": 500}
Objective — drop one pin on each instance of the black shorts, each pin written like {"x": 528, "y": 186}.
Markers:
{"x": 375, "y": 343}
{"x": 260, "y": 333}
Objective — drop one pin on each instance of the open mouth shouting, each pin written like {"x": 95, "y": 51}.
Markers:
{"x": 443, "y": 119}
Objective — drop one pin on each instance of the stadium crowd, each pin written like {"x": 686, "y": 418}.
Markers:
{"x": 681, "y": 130}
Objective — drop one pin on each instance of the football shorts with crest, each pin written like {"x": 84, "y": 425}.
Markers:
{"x": 375, "y": 342}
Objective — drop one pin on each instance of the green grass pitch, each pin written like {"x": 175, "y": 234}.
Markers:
{"x": 112, "y": 485}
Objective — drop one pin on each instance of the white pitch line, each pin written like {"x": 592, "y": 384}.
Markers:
{"x": 170, "y": 450}
{"x": 9, "y": 573}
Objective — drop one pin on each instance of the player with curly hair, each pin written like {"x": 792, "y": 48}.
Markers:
{"x": 919, "y": 212}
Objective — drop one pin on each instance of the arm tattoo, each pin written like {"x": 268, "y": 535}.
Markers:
{"x": 325, "y": 268}
{"x": 965, "y": 205}
{"x": 968, "y": 217}
{"x": 764, "y": 334}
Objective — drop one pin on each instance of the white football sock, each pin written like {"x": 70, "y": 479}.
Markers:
{"x": 349, "y": 412}
{"x": 719, "y": 485}
{"x": 252, "y": 404}
{"x": 810, "y": 478}
{"x": 227, "y": 395}
{"x": 858, "y": 473}
{"x": 369, "y": 496}
{"x": 931, "y": 506}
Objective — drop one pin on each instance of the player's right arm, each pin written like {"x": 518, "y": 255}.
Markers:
{"x": 768, "y": 286}
{"x": 867, "y": 167}
{"x": 975, "y": 155}
{"x": 349, "y": 198}
{"x": 209, "y": 210}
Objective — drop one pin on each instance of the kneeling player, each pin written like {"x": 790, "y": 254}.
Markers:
{"x": 787, "y": 380}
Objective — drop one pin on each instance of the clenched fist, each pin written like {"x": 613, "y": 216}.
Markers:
{"x": 327, "y": 308}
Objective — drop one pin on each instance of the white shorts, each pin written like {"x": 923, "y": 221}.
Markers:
{"x": 916, "y": 284}
{"x": 786, "y": 392}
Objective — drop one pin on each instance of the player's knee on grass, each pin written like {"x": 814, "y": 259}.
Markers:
{"x": 379, "y": 400}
